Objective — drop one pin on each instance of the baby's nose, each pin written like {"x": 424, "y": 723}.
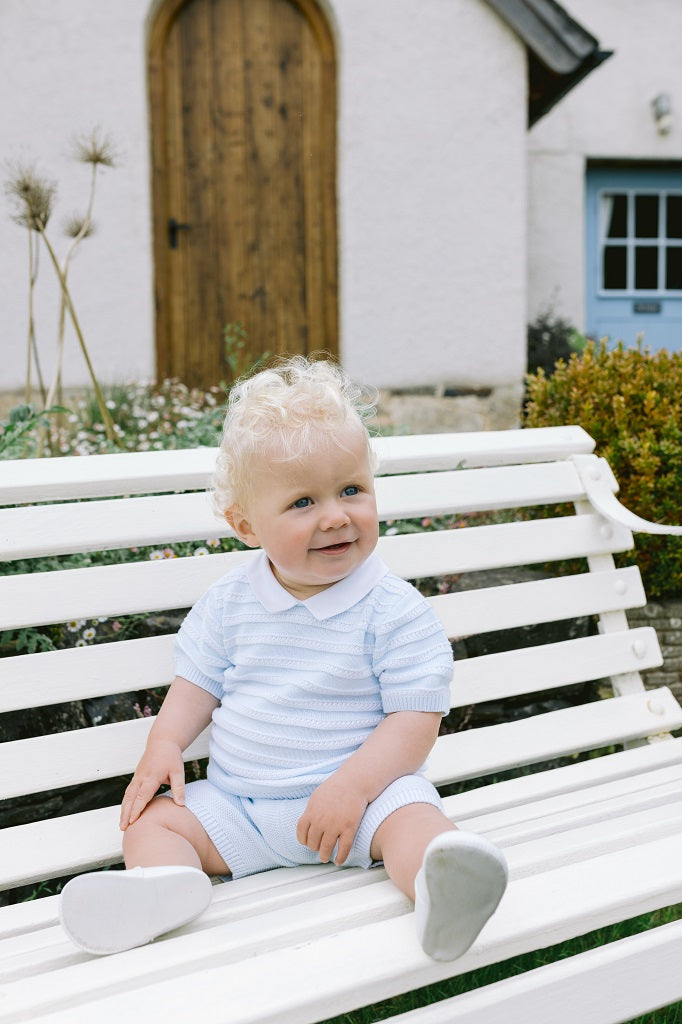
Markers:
{"x": 334, "y": 516}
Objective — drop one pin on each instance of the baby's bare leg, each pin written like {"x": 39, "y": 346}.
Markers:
{"x": 456, "y": 879}
{"x": 166, "y": 834}
{"x": 402, "y": 838}
{"x": 168, "y": 856}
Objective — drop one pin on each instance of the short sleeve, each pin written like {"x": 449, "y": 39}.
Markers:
{"x": 413, "y": 657}
{"x": 200, "y": 654}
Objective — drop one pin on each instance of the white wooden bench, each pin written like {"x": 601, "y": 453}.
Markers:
{"x": 591, "y": 842}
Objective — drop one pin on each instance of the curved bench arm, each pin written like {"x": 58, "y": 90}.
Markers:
{"x": 600, "y": 484}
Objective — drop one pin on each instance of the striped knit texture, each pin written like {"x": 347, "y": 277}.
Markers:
{"x": 298, "y": 695}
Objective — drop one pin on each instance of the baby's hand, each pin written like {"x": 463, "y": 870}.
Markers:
{"x": 333, "y": 815}
{"x": 161, "y": 763}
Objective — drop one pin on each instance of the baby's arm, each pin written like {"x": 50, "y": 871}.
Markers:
{"x": 185, "y": 712}
{"x": 398, "y": 746}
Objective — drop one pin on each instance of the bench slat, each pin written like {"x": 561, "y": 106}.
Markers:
{"x": 512, "y": 605}
{"x": 30, "y": 480}
{"x": 613, "y": 983}
{"x": 351, "y": 963}
{"x": 497, "y": 748}
{"x": 160, "y": 519}
{"x": 569, "y": 782}
{"x": 108, "y": 751}
{"x": 535, "y": 669}
{"x": 538, "y": 816}
{"x": 178, "y": 582}
{"x": 84, "y": 755}
{"x": 79, "y": 673}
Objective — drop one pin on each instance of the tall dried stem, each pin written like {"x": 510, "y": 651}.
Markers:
{"x": 104, "y": 412}
{"x": 34, "y": 198}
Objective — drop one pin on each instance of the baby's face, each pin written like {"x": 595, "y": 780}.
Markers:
{"x": 316, "y": 517}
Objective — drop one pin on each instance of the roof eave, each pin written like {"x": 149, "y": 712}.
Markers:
{"x": 561, "y": 52}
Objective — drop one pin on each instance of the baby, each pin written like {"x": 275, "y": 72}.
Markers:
{"x": 325, "y": 677}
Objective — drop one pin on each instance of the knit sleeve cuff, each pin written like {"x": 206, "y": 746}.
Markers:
{"x": 437, "y": 699}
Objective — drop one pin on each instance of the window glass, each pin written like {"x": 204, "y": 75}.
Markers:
{"x": 646, "y": 267}
{"x": 615, "y": 266}
{"x": 673, "y": 218}
{"x": 616, "y": 215}
{"x": 646, "y": 216}
{"x": 673, "y": 267}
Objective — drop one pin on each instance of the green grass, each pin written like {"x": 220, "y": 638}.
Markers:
{"x": 517, "y": 965}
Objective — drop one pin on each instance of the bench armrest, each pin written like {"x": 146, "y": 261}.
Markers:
{"x": 600, "y": 484}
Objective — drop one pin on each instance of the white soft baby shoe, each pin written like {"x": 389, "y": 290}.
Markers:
{"x": 109, "y": 911}
{"x": 459, "y": 885}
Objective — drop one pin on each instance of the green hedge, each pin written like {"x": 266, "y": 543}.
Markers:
{"x": 630, "y": 401}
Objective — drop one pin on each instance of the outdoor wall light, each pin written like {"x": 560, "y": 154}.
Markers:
{"x": 661, "y": 107}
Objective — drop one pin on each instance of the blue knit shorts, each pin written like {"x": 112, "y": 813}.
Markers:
{"x": 257, "y": 835}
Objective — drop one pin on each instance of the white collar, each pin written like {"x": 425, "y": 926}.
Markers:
{"x": 335, "y": 599}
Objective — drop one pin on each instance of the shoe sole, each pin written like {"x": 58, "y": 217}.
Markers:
{"x": 111, "y": 911}
{"x": 465, "y": 878}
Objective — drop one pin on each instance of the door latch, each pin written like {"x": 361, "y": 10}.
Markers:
{"x": 174, "y": 227}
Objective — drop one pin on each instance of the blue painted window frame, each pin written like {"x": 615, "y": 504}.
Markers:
{"x": 631, "y": 241}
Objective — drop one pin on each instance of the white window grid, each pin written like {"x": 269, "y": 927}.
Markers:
{"x": 630, "y": 241}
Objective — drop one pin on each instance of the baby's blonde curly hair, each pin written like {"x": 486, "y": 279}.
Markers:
{"x": 283, "y": 410}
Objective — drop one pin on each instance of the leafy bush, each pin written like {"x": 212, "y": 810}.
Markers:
{"x": 630, "y": 401}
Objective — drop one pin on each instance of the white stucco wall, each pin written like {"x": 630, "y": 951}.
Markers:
{"x": 607, "y": 116}
{"x": 431, "y": 186}
{"x": 432, "y": 193}
{"x": 70, "y": 65}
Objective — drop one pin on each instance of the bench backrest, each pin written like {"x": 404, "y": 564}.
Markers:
{"x": 486, "y": 497}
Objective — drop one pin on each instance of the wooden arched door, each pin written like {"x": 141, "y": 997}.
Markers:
{"x": 244, "y": 165}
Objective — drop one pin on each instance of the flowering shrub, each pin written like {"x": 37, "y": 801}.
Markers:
{"x": 146, "y": 418}
{"x": 630, "y": 401}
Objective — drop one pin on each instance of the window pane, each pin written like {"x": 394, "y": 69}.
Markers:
{"x": 673, "y": 267}
{"x": 646, "y": 216}
{"x": 646, "y": 267}
{"x": 615, "y": 266}
{"x": 616, "y": 215}
{"x": 674, "y": 217}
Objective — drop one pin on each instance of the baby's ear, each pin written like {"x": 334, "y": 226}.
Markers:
{"x": 241, "y": 526}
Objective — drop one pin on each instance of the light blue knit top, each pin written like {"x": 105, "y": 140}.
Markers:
{"x": 301, "y": 684}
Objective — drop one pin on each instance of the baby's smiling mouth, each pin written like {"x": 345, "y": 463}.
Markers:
{"x": 335, "y": 549}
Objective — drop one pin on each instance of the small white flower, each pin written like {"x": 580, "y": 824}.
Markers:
{"x": 81, "y": 643}
{"x": 89, "y": 634}
{"x": 156, "y": 555}
{"x": 201, "y": 551}
{"x": 391, "y": 532}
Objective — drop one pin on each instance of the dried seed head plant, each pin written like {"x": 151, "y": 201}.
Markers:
{"x": 32, "y": 198}
{"x": 95, "y": 148}
{"x": 78, "y": 226}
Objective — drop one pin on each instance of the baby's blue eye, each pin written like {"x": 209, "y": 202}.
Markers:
{"x": 301, "y": 503}
{"x": 348, "y": 492}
